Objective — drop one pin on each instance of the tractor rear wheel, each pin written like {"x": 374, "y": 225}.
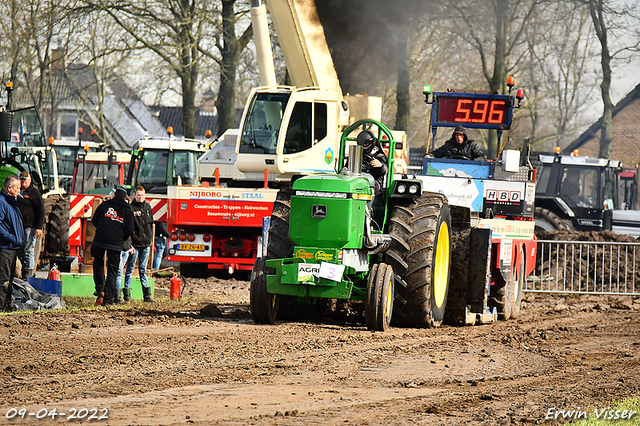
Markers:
{"x": 264, "y": 306}
{"x": 57, "y": 225}
{"x": 419, "y": 254}
{"x": 548, "y": 221}
{"x": 379, "y": 304}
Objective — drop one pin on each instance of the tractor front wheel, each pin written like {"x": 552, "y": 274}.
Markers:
{"x": 379, "y": 303}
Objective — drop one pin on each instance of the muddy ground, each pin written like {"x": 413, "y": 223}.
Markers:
{"x": 167, "y": 363}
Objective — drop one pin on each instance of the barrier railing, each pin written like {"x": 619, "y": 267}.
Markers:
{"x": 586, "y": 267}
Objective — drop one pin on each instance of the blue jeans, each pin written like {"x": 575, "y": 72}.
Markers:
{"x": 28, "y": 257}
{"x": 124, "y": 255}
{"x": 142, "y": 255}
{"x": 160, "y": 245}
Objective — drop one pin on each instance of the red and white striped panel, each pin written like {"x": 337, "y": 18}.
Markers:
{"x": 81, "y": 205}
{"x": 159, "y": 209}
{"x": 74, "y": 231}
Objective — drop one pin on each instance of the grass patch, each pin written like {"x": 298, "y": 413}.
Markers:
{"x": 608, "y": 416}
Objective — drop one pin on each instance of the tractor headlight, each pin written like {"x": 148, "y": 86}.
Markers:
{"x": 413, "y": 189}
{"x": 401, "y": 189}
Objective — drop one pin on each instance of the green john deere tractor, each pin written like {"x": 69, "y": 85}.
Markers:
{"x": 332, "y": 237}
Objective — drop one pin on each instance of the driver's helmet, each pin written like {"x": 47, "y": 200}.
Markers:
{"x": 366, "y": 140}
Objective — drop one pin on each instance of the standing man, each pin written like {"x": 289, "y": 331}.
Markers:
{"x": 32, "y": 209}
{"x": 160, "y": 244}
{"x": 113, "y": 220}
{"x": 11, "y": 234}
{"x": 459, "y": 146}
{"x": 141, "y": 244}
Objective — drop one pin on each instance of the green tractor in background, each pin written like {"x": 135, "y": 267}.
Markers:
{"x": 331, "y": 237}
{"x": 23, "y": 148}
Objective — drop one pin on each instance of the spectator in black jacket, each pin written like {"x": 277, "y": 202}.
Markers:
{"x": 141, "y": 244}
{"x": 32, "y": 209}
{"x": 459, "y": 146}
{"x": 113, "y": 220}
{"x": 160, "y": 244}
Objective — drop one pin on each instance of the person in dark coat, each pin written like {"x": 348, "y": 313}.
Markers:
{"x": 375, "y": 161}
{"x": 160, "y": 243}
{"x": 32, "y": 209}
{"x": 11, "y": 234}
{"x": 459, "y": 145}
{"x": 113, "y": 220}
{"x": 141, "y": 244}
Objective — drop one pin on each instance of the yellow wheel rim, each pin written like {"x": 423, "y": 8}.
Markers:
{"x": 441, "y": 267}
{"x": 387, "y": 307}
{"x": 273, "y": 301}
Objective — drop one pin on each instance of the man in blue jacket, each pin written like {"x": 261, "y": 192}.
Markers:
{"x": 11, "y": 234}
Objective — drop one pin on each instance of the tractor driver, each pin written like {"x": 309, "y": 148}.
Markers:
{"x": 459, "y": 146}
{"x": 374, "y": 159}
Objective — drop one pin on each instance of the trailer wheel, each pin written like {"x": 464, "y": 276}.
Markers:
{"x": 419, "y": 254}
{"x": 501, "y": 297}
{"x": 57, "y": 235}
{"x": 518, "y": 287}
{"x": 455, "y": 314}
{"x": 264, "y": 306}
{"x": 379, "y": 303}
{"x": 548, "y": 221}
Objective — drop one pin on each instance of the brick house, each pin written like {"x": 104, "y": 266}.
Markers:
{"x": 625, "y": 133}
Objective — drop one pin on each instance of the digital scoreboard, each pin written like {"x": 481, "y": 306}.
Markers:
{"x": 473, "y": 110}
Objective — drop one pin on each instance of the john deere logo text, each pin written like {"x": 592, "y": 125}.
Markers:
{"x": 322, "y": 255}
{"x": 302, "y": 254}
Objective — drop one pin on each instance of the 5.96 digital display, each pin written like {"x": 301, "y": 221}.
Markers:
{"x": 489, "y": 111}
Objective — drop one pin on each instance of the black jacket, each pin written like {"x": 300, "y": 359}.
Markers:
{"x": 113, "y": 220}
{"x": 469, "y": 148}
{"x": 378, "y": 173}
{"x": 162, "y": 231}
{"x": 142, "y": 224}
{"x": 32, "y": 207}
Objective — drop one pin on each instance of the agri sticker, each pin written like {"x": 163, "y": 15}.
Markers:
{"x": 328, "y": 156}
{"x": 307, "y": 270}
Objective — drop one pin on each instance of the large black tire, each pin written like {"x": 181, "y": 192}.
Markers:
{"x": 419, "y": 254}
{"x": 57, "y": 226}
{"x": 264, "y": 306}
{"x": 548, "y": 221}
{"x": 278, "y": 246}
{"x": 519, "y": 286}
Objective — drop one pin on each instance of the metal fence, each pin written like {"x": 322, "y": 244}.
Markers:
{"x": 586, "y": 267}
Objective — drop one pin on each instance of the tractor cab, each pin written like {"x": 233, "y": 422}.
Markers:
{"x": 99, "y": 172}
{"x": 160, "y": 162}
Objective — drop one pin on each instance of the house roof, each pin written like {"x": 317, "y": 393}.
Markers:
{"x": 591, "y": 132}
{"x": 172, "y": 116}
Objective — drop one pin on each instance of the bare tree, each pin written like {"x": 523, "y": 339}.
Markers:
{"x": 557, "y": 74}
{"x": 495, "y": 30}
{"x": 176, "y": 31}
{"x": 611, "y": 20}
